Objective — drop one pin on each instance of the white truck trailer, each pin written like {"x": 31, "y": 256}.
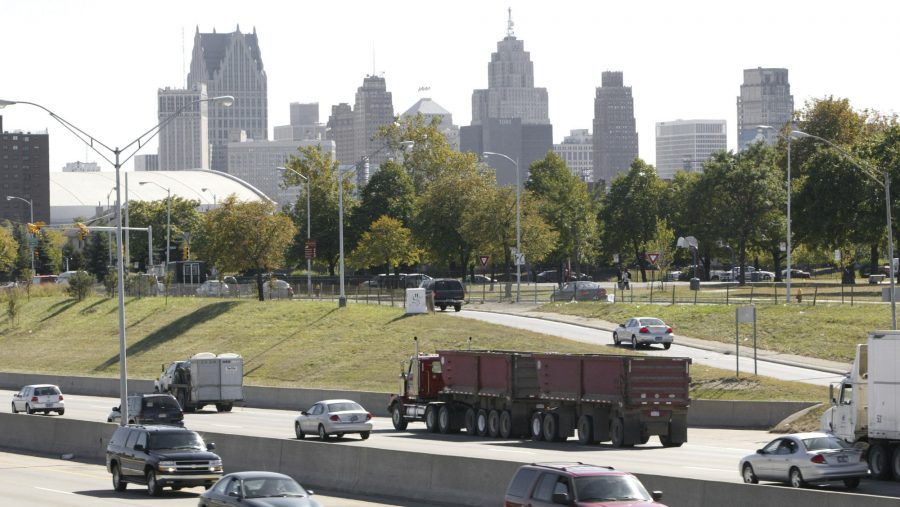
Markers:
{"x": 865, "y": 406}
{"x": 204, "y": 379}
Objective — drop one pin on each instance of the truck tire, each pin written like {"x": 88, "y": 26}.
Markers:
{"x": 470, "y": 422}
{"x": 879, "y": 459}
{"x": 895, "y": 463}
{"x": 550, "y": 427}
{"x": 445, "y": 420}
{"x": 224, "y": 407}
{"x": 397, "y": 418}
{"x": 481, "y": 422}
{"x": 505, "y": 424}
{"x": 617, "y": 433}
{"x": 537, "y": 426}
{"x": 666, "y": 441}
{"x": 493, "y": 424}
{"x": 586, "y": 430}
{"x": 431, "y": 419}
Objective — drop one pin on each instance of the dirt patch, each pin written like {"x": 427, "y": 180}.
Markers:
{"x": 716, "y": 388}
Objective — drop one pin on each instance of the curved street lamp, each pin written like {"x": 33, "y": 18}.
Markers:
{"x": 308, "y": 229}
{"x": 117, "y": 157}
{"x": 168, "y": 217}
{"x": 518, "y": 221}
{"x": 31, "y": 210}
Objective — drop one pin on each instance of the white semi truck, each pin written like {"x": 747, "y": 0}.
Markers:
{"x": 865, "y": 406}
{"x": 204, "y": 379}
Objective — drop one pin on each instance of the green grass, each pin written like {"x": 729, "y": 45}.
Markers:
{"x": 288, "y": 343}
{"x": 823, "y": 331}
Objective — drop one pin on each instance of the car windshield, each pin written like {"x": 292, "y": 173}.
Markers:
{"x": 186, "y": 440}
{"x": 160, "y": 403}
{"x": 344, "y": 407}
{"x": 46, "y": 391}
{"x": 262, "y": 487}
{"x": 824, "y": 443}
{"x": 652, "y": 322}
{"x": 598, "y": 488}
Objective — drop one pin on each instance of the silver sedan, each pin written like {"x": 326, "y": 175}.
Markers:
{"x": 805, "y": 458}
{"x": 333, "y": 417}
{"x": 640, "y": 331}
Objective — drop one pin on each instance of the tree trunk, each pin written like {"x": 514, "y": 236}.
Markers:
{"x": 742, "y": 256}
{"x": 259, "y": 285}
{"x": 776, "y": 261}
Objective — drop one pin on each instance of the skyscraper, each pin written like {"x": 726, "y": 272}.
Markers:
{"x": 577, "y": 150}
{"x": 304, "y": 124}
{"x": 25, "y": 173}
{"x": 765, "y": 99}
{"x": 615, "y": 135}
{"x": 184, "y": 142}
{"x": 430, "y": 110}
{"x": 687, "y": 144}
{"x": 510, "y": 116}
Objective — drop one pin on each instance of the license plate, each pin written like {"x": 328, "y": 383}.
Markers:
{"x": 353, "y": 418}
{"x": 658, "y": 338}
{"x": 654, "y": 413}
{"x": 842, "y": 459}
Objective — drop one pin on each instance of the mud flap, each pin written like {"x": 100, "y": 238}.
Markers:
{"x": 678, "y": 429}
{"x": 632, "y": 429}
{"x": 601, "y": 423}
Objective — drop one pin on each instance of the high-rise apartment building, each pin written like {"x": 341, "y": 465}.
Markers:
{"x": 81, "y": 167}
{"x": 184, "y": 141}
{"x": 615, "y": 135}
{"x": 577, "y": 150}
{"x": 231, "y": 64}
{"x": 25, "y": 175}
{"x": 765, "y": 99}
{"x": 687, "y": 144}
{"x": 511, "y": 115}
{"x": 431, "y": 110}
{"x": 304, "y": 114}
{"x": 148, "y": 162}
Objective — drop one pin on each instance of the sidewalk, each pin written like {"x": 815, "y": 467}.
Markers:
{"x": 530, "y": 310}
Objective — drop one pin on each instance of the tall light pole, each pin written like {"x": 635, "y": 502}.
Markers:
{"x": 31, "y": 212}
{"x": 308, "y": 230}
{"x": 518, "y": 221}
{"x": 119, "y": 157}
{"x": 211, "y": 193}
{"x": 168, "y": 217}
{"x": 871, "y": 173}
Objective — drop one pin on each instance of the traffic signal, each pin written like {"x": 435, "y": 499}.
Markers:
{"x": 35, "y": 228}
{"x": 83, "y": 231}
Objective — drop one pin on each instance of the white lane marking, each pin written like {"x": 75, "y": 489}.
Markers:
{"x": 510, "y": 450}
{"x": 227, "y": 426}
{"x": 713, "y": 469}
{"x": 54, "y": 490}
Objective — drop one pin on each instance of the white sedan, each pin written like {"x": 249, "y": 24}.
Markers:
{"x": 213, "y": 288}
{"x": 644, "y": 331}
{"x": 333, "y": 417}
{"x": 44, "y": 398}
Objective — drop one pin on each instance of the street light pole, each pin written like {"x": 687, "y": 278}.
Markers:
{"x": 342, "y": 299}
{"x": 308, "y": 230}
{"x": 518, "y": 221}
{"x": 31, "y": 213}
{"x": 788, "y": 138}
{"x": 168, "y": 217}
{"x": 211, "y": 193}
{"x": 116, "y": 160}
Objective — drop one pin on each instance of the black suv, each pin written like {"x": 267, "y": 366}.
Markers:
{"x": 161, "y": 456}
{"x": 576, "y": 483}
{"x": 446, "y": 292}
{"x": 157, "y": 408}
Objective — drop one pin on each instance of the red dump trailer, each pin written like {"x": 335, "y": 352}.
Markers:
{"x": 546, "y": 396}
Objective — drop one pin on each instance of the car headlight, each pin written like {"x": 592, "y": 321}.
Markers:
{"x": 215, "y": 465}
{"x": 166, "y": 466}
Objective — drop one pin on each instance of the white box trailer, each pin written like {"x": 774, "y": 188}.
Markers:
{"x": 205, "y": 379}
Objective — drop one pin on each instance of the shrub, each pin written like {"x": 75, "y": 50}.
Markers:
{"x": 80, "y": 285}
{"x": 111, "y": 284}
{"x": 14, "y": 305}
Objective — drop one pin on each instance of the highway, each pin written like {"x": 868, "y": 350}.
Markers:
{"x": 697, "y": 355}
{"x": 31, "y": 481}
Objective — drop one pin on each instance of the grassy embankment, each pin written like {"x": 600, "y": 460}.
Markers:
{"x": 289, "y": 343}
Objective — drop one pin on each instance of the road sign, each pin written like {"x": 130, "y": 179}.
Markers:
{"x": 483, "y": 259}
{"x": 310, "y": 249}
{"x": 520, "y": 259}
{"x": 652, "y": 257}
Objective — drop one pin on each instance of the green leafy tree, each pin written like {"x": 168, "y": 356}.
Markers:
{"x": 81, "y": 284}
{"x": 389, "y": 192}
{"x": 50, "y": 243}
{"x": 22, "y": 268}
{"x": 240, "y": 236}
{"x": 184, "y": 218}
{"x": 663, "y": 243}
{"x": 692, "y": 214}
{"x": 9, "y": 250}
{"x": 97, "y": 254}
{"x": 387, "y": 243}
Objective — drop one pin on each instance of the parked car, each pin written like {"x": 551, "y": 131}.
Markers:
{"x": 805, "y": 458}
{"x": 644, "y": 331}
{"x": 673, "y": 276}
{"x": 479, "y": 279}
{"x": 161, "y": 456}
{"x": 156, "y": 408}
{"x": 795, "y": 273}
{"x": 561, "y": 483}
{"x": 42, "y": 279}
{"x": 282, "y": 290}
{"x": 579, "y": 291}
{"x": 63, "y": 278}
{"x": 553, "y": 276}
{"x": 212, "y": 288}
{"x": 412, "y": 280}
{"x": 446, "y": 292}
{"x": 333, "y": 417}
{"x": 385, "y": 281}
{"x": 257, "y": 489}
{"x": 44, "y": 398}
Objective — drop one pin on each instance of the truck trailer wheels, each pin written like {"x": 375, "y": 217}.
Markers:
{"x": 617, "y": 433}
{"x": 445, "y": 420}
{"x": 551, "y": 427}
{"x": 481, "y": 422}
{"x": 895, "y": 463}
{"x": 537, "y": 426}
{"x": 505, "y": 424}
{"x": 879, "y": 458}
{"x": 431, "y": 419}
{"x": 493, "y": 424}
{"x": 585, "y": 430}
{"x": 224, "y": 407}
{"x": 469, "y": 421}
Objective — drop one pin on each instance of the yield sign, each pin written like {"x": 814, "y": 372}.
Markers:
{"x": 653, "y": 257}
{"x": 483, "y": 259}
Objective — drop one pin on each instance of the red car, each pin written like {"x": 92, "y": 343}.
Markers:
{"x": 579, "y": 484}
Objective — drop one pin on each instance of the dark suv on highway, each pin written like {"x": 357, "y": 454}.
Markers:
{"x": 446, "y": 292}
{"x": 558, "y": 483}
{"x": 155, "y": 408}
{"x": 160, "y": 456}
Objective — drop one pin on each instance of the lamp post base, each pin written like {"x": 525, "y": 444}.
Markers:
{"x": 342, "y": 301}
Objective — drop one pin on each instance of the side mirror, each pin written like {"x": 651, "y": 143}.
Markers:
{"x": 561, "y": 498}
{"x": 116, "y": 409}
{"x": 656, "y": 496}
{"x": 310, "y": 492}
{"x": 210, "y": 446}
{"x": 760, "y": 451}
{"x": 303, "y": 412}
{"x": 139, "y": 447}
{"x": 234, "y": 494}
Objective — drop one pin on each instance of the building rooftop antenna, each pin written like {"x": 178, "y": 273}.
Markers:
{"x": 509, "y": 26}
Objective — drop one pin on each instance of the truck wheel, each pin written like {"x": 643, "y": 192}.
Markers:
{"x": 505, "y": 424}
{"x": 224, "y": 407}
{"x": 153, "y": 487}
{"x": 445, "y": 420}
{"x": 878, "y": 461}
{"x": 617, "y": 433}
{"x": 442, "y": 307}
{"x": 457, "y": 307}
{"x": 493, "y": 424}
{"x": 431, "y": 422}
{"x": 481, "y": 422}
{"x": 537, "y": 426}
{"x": 666, "y": 441}
{"x": 585, "y": 430}
{"x": 895, "y": 463}
{"x": 551, "y": 427}
{"x": 397, "y": 418}
{"x": 470, "y": 419}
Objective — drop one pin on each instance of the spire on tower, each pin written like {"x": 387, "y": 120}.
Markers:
{"x": 510, "y": 24}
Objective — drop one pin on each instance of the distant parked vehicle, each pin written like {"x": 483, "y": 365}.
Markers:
{"x": 579, "y": 291}
{"x": 446, "y": 292}
{"x": 795, "y": 273}
{"x": 642, "y": 331}
{"x": 413, "y": 280}
{"x": 212, "y": 288}
{"x": 44, "y": 398}
{"x": 282, "y": 290}
{"x": 553, "y": 276}
{"x": 42, "y": 279}
{"x": 333, "y": 417}
{"x": 805, "y": 458}
{"x": 63, "y": 278}
{"x": 479, "y": 279}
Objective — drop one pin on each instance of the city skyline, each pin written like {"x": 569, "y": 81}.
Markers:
{"x": 682, "y": 61}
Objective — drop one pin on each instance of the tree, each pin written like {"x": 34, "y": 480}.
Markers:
{"x": 663, "y": 243}
{"x": 50, "y": 243}
{"x": 239, "y": 236}
{"x": 389, "y": 192}
{"x": 22, "y": 268}
{"x": 97, "y": 253}
{"x": 387, "y": 243}
{"x": 184, "y": 218}
{"x": 9, "y": 250}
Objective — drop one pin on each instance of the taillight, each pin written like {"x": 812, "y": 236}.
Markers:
{"x": 34, "y": 398}
{"x": 818, "y": 458}
{"x": 334, "y": 418}
{"x": 644, "y": 330}
{"x": 433, "y": 294}
{"x": 669, "y": 330}
{"x": 368, "y": 415}
{"x": 60, "y": 397}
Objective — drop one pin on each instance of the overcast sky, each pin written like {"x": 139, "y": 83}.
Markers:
{"x": 99, "y": 64}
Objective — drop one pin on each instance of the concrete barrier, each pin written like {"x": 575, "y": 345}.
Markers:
{"x": 419, "y": 477}
{"x": 742, "y": 414}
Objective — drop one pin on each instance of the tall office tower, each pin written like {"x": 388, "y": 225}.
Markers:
{"x": 615, "y": 135}
{"x": 577, "y": 149}
{"x": 25, "y": 173}
{"x": 148, "y": 162}
{"x": 230, "y": 64}
{"x": 304, "y": 114}
{"x": 340, "y": 130}
{"x": 687, "y": 144}
{"x": 431, "y": 110}
{"x": 184, "y": 142}
{"x": 304, "y": 124}
{"x": 510, "y": 116}
{"x": 765, "y": 100}
{"x": 81, "y": 167}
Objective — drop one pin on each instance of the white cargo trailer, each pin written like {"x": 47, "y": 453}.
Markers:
{"x": 205, "y": 379}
